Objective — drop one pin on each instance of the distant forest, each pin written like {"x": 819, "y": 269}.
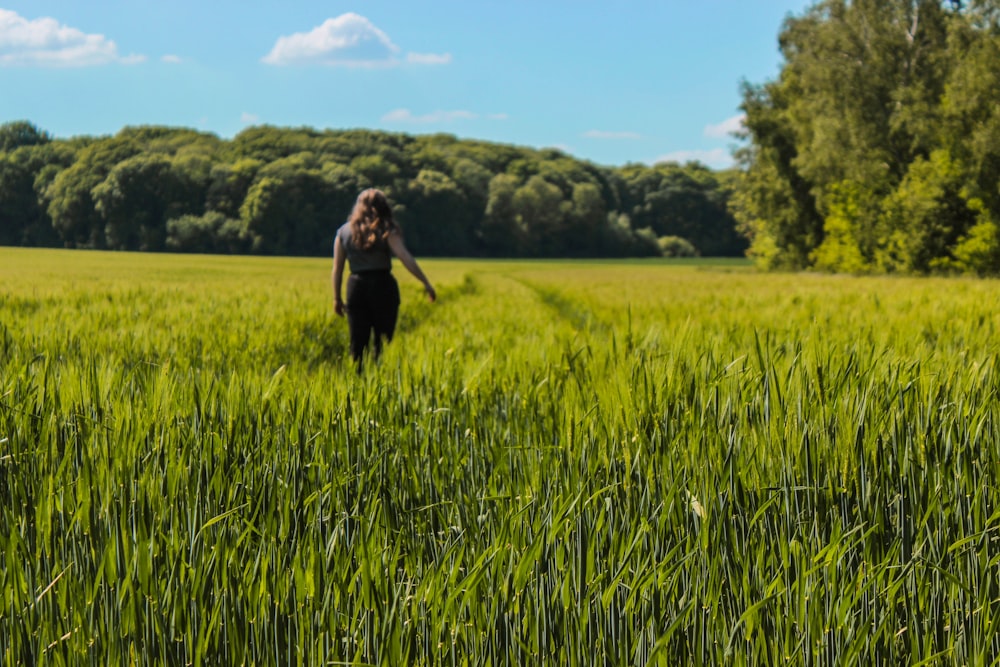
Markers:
{"x": 284, "y": 191}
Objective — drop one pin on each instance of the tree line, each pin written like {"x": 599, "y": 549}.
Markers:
{"x": 284, "y": 191}
{"x": 877, "y": 148}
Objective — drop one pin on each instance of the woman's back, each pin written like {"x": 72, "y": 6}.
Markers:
{"x": 377, "y": 258}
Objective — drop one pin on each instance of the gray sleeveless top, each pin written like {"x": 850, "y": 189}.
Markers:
{"x": 379, "y": 258}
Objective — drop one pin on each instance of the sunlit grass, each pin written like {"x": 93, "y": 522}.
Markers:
{"x": 557, "y": 463}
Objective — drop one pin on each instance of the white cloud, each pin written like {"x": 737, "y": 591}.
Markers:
{"x": 349, "y": 40}
{"x": 406, "y": 116}
{"x": 600, "y": 134}
{"x": 497, "y": 116}
{"x": 249, "y": 118}
{"x": 718, "y": 158}
{"x": 726, "y": 128}
{"x": 45, "y": 42}
{"x": 172, "y": 59}
{"x": 428, "y": 58}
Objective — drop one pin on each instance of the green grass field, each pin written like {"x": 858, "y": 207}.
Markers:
{"x": 558, "y": 463}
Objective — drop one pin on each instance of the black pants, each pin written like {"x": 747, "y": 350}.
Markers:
{"x": 372, "y": 306}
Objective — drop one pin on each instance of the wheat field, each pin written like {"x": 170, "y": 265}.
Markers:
{"x": 558, "y": 463}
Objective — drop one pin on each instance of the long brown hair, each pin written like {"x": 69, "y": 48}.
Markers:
{"x": 371, "y": 220}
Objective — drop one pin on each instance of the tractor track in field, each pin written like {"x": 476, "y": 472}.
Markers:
{"x": 576, "y": 314}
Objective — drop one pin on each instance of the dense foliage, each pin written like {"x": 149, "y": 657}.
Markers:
{"x": 877, "y": 149}
{"x": 284, "y": 191}
{"x": 558, "y": 463}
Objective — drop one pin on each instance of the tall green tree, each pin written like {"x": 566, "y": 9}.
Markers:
{"x": 228, "y": 184}
{"x": 587, "y": 214}
{"x": 541, "y": 210}
{"x": 971, "y": 102}
{"x": 294, "y": 207}
{"x": 20, "y": 133}
{"x": 502, "y": 232}
{"x": 68, "y": 197}
{"x": 860, "y": 151}
{"x": 138, "y": 197}
{"x": 25, "y": 171}
{"x": 434, "y": 216}
{"x": 687, "y": 201}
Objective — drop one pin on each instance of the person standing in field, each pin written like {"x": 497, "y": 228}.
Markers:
{"x": 368, "y": 240}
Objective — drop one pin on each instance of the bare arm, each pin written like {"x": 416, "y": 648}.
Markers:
{"x": 338, "y": 275}
{"x": 399, "y": 250}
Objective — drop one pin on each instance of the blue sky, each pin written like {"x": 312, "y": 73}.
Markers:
{"x": 610, "y": 82}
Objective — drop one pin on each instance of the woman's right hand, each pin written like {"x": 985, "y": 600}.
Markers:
{"x": 431, "y": 294}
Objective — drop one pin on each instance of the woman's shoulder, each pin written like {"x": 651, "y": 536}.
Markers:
{"x": 344, "y": 232}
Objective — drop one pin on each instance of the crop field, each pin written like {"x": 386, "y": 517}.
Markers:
{"x": 562, "y": 463}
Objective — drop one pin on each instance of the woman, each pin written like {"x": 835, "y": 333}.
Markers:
{"x": 368, "y": 240}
